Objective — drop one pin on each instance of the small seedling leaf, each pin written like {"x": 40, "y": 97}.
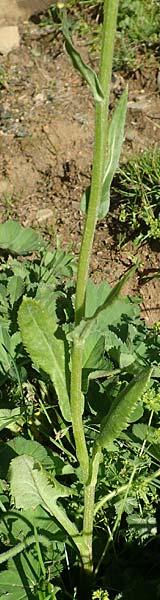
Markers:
{"x": 79, "y": 64}
{"x": 48, "y": 352}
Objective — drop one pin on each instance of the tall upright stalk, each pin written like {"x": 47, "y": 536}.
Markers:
{"x": 99, "y": 152}
{"x": 90, "y": 468}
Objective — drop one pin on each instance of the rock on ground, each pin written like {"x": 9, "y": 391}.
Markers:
{"x": 9, "y": 39}
{"x": 13, "y": 10}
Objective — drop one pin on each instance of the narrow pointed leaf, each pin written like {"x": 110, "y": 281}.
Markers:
{"x": 122, "y": 408}
{"x": 79, "y": 64}
{"x": 48, "y": 352}
{"x": 115, "y": 141}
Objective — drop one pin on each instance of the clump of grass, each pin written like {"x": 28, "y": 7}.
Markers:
{"x": 138, "y": 26}
{"x": 138, "y": 187}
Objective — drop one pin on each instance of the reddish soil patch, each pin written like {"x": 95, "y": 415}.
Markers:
{"x": 46, "y": 141}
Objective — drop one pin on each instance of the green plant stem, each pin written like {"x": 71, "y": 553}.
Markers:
{"x": 77, "y": 408}
{"x": 99, "y": 159}
{"x": 22, "y": 546}
{"x": 89, "y": 499}
{"x": 99, "y": 153}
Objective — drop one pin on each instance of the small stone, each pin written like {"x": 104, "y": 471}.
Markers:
{"x": 129, "y": 135}
{"x": 45, "y": 214}
{"x": 9, "y": 39}
{"x": 39, "y": 99}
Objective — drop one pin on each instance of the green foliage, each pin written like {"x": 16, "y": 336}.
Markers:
{"x": 47, "y": 347}
{"x": 137, "y": 27}
{"x": 14, "y": 239}
{"x": 86, "y": 72}
{"x": 79, "y": 375}
{"x": 137, "y": 184}
{"x": 117, "y": 346}
{"x": 115, "y": 140}
{"x": 122, "y": 408}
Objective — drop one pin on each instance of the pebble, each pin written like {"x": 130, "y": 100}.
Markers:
{"x": 45, "y": 214}
{"x": 9, "y": 39}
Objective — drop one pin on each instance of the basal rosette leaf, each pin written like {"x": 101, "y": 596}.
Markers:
{"x": 47, "y": 348}
{"x": 16, "y": 239}
{"x": 122, "y": 408}
{"x": 31, "y": 486}
{"x": 12, "y": 588}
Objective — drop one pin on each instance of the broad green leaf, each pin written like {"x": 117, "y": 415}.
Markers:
{"x": 15, "y": 288}
{"x": 93, "y": 356}
{"x": 17, "y": 239}
{"x": 143, "y": 432}
{"x": 93, "y": 352}
{"x": 100, "y": 318}
{"x": 9, "y": 418}
{"x": 47, "y": 347}
{"x": 28, "y": 519}
{"x": 49, "y": 459}
{"x": 79, "y": 64}
{"x": 95, "y": 296}
{"x": 137, "y": 413}
{"x": 31, "y": 486}
{"x": 122, "y": 408}
{"x": 115, "y": 141}
{"x": 145, "y": 526}
{"x": 12, "y": 587}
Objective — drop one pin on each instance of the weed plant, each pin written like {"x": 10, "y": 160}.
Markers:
{"x": 138, "y": 187}
{"x": 138, "y": 26}
{"x": 79, "y": 414}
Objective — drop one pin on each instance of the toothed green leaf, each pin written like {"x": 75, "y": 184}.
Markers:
{"x": 122, "y": 408}
{"x": 47, "y": 347}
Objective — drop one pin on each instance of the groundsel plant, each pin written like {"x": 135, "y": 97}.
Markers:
{"x": 64, "y": 355}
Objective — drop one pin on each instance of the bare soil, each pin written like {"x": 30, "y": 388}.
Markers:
{"x": 46, "y": 144}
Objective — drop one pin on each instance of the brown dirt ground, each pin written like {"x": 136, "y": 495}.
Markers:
{"x": 46, "y": 140}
